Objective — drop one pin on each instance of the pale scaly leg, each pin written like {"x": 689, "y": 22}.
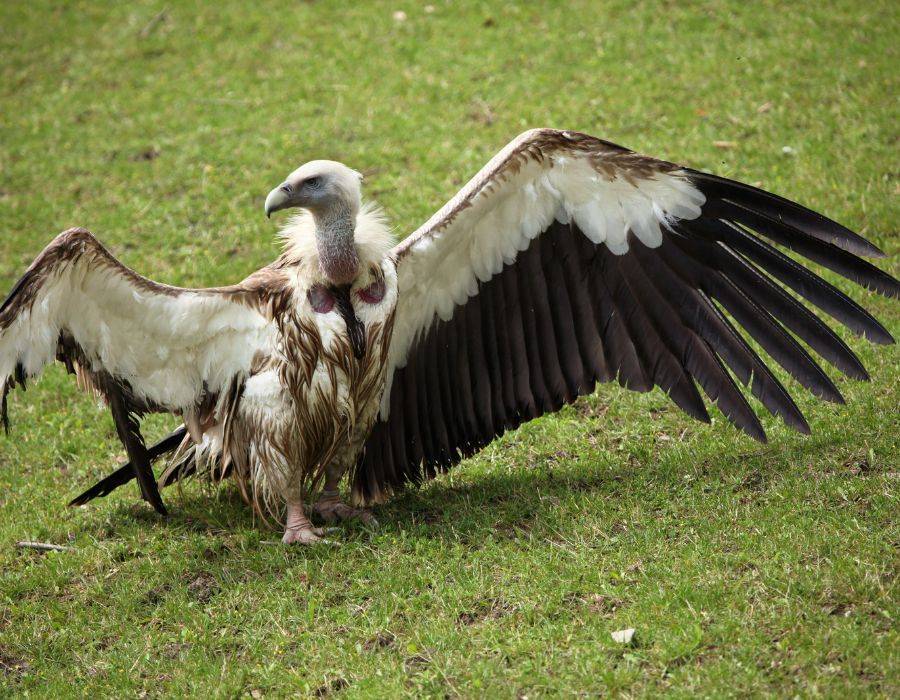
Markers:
{"x": 331, "y": 508}
{"x": 298, "y": 528}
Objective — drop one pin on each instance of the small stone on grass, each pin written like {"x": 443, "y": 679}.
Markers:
{"x": 623, "y": 636}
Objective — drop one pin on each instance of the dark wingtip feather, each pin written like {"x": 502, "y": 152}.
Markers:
{"x": 812, "y": 222}
{"x": 745, "y": 248}
{"x": 874, "y": 251}
{"x": 703, "y": 417}
{"x": 754, "y": 430}
{"x": 881, "y": 338}
{"x": 807, "y": 242}
{"x": 4, "y": 414}
{"x": 20, "y": 376}
{"x": 753, "y": 427}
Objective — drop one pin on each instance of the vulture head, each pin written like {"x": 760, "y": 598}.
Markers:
{"x": 330, "y": 191}
{"x": 322, "y": 186}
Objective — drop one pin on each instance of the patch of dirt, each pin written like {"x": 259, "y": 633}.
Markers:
{"x": 860, "y": 465}
{"x": 382, "y": 640}
{"x": 332, "y": 686}
{"x": 487, "y": 609}
{"x": 603, "y": 604}
{"x": 210, "y": 554}
{"x": 840, "y": 609}
{"x": 203, "y": 587}
{"x": 617, "y": 527}
{"x": 596, "y": 603}
{"x": 174, "y": 650}
{"x": 752, "y": 482}
{"x": 156, "y": 595}
{"x": 12, "y": 665}
{"x": 747, "y": 568}
{"x": 151, "y": 153}
{"x": 560, "y": 456}
{"x": 417, "y": 662}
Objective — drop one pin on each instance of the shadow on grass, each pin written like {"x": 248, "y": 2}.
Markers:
{"x": 499, "y": 505}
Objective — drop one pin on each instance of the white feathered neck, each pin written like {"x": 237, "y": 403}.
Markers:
{"x": 372, "y": 239}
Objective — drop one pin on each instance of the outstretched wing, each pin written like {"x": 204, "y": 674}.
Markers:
{"x": 569, "y": 260}
{"x": 165, "y": 348}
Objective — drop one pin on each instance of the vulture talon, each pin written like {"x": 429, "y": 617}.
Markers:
{"x": 305, "y": 535}
{"x": 299, "y": 530}
{"x": 332, "y": 509}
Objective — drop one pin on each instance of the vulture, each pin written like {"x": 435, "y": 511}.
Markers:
{"x": 566, "y": 261}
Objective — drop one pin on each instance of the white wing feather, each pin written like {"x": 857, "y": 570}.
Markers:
{"x": 169, "y": 344}
{"x": 542, "y": 175}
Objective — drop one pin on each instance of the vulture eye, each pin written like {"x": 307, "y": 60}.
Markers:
{"x": 313, "y": 182}
{"x": 320, "y": 299}
{"x": 373, "y": 293}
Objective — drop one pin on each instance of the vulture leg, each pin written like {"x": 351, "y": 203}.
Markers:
{"x": 298, "y": 529}
{"x": 331, "y": 508}
{"x": 130, "y": 434}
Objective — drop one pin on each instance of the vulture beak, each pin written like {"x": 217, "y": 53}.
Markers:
{"x": 279, "y": 198}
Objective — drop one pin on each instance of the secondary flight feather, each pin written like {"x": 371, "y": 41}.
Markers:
{"x": 566, "y": 261}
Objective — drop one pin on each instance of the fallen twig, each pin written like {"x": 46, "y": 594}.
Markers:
{"x": 153, "y": 23}
{"x": 43, "y": 546}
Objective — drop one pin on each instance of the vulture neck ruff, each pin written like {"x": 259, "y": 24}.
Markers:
{"x": 368, "y": 238}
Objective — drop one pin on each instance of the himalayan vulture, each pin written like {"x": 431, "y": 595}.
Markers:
{"x": 566, "y": 261}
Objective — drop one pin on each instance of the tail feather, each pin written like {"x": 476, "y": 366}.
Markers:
{"x": 125, "y": 473}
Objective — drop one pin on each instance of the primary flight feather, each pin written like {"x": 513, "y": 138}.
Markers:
{"x": 566, "y": 261}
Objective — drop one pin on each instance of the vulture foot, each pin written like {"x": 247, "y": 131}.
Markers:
{"x": 299, "y": 530}
{"x": 331, "y": 509}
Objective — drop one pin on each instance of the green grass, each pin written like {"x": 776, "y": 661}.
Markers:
{"x": 746, "y": 569}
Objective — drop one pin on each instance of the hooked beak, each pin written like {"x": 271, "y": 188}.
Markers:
{"x": 279, "y": 198}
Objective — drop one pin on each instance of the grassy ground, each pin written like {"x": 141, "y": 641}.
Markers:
{"x": 745, "y": 569}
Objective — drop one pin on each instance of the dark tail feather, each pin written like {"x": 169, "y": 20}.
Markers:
{"x": 125, "y": 473}
{"x": 186, "y": 466}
